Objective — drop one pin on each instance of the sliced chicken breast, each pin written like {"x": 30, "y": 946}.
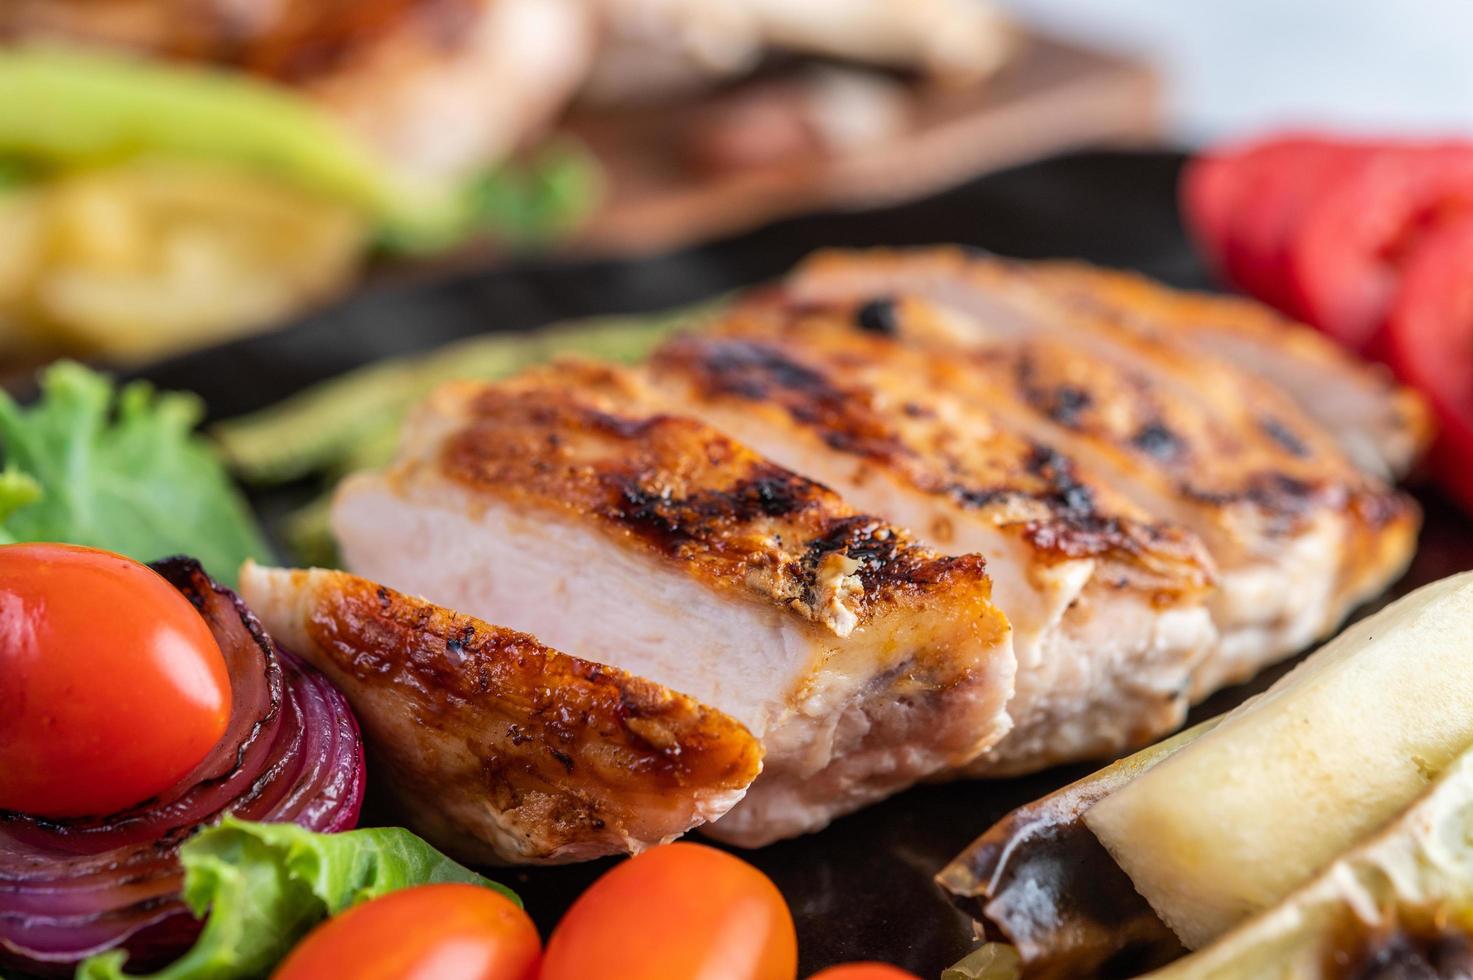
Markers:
{"x": 1219, "y": 348}
{"x": 567, "y": 504}
{"x": 1108, "y": 607}
{"x": 654, "y": 49}
{"x": 495, "y": 747}
{"x": 1299, "y": 535}
{"x": 440, "y": 89}
{"x": 1382, "y": 426}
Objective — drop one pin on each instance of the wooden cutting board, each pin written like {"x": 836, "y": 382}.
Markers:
{"x": 1052, "y": 96}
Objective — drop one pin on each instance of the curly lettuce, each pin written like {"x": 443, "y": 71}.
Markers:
{"x": 121, "y": 469}
{"x": 264, "y": 886}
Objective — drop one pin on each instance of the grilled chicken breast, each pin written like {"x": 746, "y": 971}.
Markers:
{"x": 1383, "y": 427}
{"x": 1108, "y": 607}
{"x": 1221, "y": 346}
{"x": 496, "y": 747}
{"x": 441, "y": 89}
{"x": 1298, "y": 534}
{"x": 568, "y": 504}
{"x": 658, "y": 48}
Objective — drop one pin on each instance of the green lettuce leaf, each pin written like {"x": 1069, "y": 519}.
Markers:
{"x": 264, "y": 886}
{"x": 122, "y": 470}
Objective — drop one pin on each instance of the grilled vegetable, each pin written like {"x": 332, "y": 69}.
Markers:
{"x": 1041, "y": 882}
{"x": 1397, "y": 904}
{"x": 1232, "y": 823}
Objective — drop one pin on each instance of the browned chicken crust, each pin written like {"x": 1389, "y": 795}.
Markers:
{"x": 497, "y": 747}
{"x": 896, "y": 406}
{"x": 1196, "y": 427}
{"x": 1298, "y": 532}
{"x": 1331, "y": 386}
{"x": 587, "y": 439}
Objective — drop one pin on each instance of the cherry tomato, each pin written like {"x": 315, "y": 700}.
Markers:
{"x": 864, "y": 971}
{"x": 1345, "y": 260}
{"x": 112, "y": 687}
{"x": 432, "y": 932}
{"x": 1430, "y": 345}
{"x": 676, "y": 912}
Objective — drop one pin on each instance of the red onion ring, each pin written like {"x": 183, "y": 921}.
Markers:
{"x": 291, "y": 753}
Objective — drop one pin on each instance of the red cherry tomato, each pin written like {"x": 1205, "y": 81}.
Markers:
{"x": 864, "y": 971}
{"x": 1345, "y": 261}
{"x": 112, "y": 687}
{"x": 433, "y": 932}
{"x": 1430, "y": 345}
{"x": 676, "y": 912}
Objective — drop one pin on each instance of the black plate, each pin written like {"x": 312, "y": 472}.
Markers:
{"x": 861, "y": 889}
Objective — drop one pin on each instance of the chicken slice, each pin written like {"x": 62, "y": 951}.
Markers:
{"x": 566, "y": 504}
{"x": 1214, "y": 349}
{"x": 496, "y": 747}
{"x": 654, "y": 49}
{"x": 1382, "y": 426}
{"x": 1298, "y": 534}
{"x": 440, "y": 89}
{"x": 1108, "y": 607}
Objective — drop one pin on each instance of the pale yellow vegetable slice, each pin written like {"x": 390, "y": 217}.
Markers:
{"x": 1232, "y": 823}
{"x": 1401, "y": 900}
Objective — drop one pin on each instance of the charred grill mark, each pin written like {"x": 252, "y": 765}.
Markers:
{"x": 879, "y": 317}
{"x": 757, "y": 372}
{"x": 1285, "y": 501}
{"x": 1421, "y": 945}
{"x": 977, "y": 498}
{"x": 614, "y": 425}
{"x": 1068, "y": 404}
{"x": 671, "y": 521}
{"x": 1284, "y": 437}
{"x": 1156, "y": 440}
{"x": 1064, "y": 404}
{"x": 1066, "y": 493}
{"x": 763, "y": 373}
{"x": 685, "y": 491}
{"x": 866, "y": 539}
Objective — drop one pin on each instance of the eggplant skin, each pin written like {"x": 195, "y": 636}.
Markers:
{"x": 496, "y": 747}
{"x": 1041, "y": 881}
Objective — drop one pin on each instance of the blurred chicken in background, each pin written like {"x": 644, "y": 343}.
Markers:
{"x": 654, "y": 49}
{"x": 175, "y": 172}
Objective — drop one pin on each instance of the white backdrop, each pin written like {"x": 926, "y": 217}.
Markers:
{"x": 1235, "y": 66}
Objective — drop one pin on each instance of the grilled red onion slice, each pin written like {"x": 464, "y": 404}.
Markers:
{"x": 292, "y": 752}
